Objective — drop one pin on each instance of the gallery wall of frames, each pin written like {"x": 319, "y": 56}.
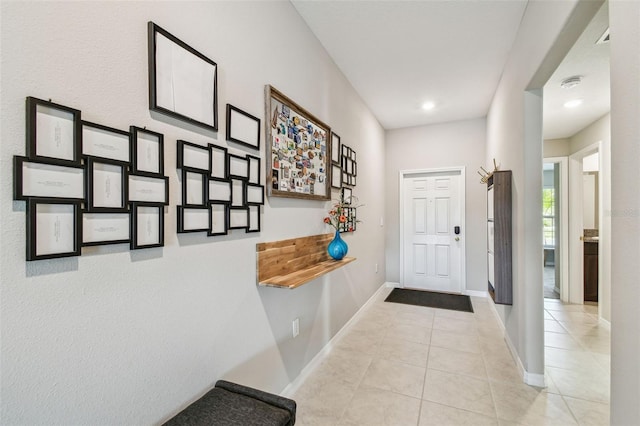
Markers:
{"x": 87, "y": 184}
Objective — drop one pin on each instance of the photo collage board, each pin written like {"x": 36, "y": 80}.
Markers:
{"x": 297, "y": 150}
{"x": 87, "y": 184}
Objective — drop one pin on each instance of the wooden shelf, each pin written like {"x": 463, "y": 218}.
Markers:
{"x": 292, "y": 263}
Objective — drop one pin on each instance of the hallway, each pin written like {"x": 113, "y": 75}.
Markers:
{"x": 408, "y": 365}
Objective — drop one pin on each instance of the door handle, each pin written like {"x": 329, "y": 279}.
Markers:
{"x": 457, "y": 238}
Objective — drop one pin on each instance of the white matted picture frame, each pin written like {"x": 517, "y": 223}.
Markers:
{"x": 191, "y": 156}
{"x": 218, "y": 219}
{"x": 193, "y": 219}
{"x": 218, "y": 162}
{"x": 242, "y": 127}
{"x": 183, "y": 83}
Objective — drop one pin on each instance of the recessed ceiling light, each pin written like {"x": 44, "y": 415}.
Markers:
{"x": 570, "y": 82}
{"x": 427, "y": 106}
{"x": 572, "y": 104}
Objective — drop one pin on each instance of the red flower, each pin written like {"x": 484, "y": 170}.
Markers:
{"x": 327, "y": 220}
{"x": 343, "y": 218}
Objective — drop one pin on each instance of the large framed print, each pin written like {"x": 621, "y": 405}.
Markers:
{"x": 242, "y": 127}
{"x": 106, "y": 185}
{"x": 54, "y": 228}
{"x": 39, "y": 179}
{"x": 105, "y": 228}
{"x": 105, "y": 142}
{"x": 147, "y": 225}
{"x": 147, "y": 151}
{"x": 53, "y": 132}
{"x": 149, "y": 189}
{"x": 182, "y": 81}
{"x": 298, "y": 150}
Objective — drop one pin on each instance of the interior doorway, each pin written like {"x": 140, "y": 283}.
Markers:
{"x": 555, "y": 213}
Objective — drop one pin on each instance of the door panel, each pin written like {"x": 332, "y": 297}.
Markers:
{"x": 432, "y": 259}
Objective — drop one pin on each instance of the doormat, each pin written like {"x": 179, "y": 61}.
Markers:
{"x": 455, "y": 302}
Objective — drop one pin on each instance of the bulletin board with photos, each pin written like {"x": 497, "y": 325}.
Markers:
{"x": 298, "y": 150}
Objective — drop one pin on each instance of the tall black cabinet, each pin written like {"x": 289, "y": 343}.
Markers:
{"x": 499, "y": 241}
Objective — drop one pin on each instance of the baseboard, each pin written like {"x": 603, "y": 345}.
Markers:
{"x": 476, "y": 293}
{"x": 530, "y": 379}
{"x": 605, "y": 323}
{"x": 392, "y": 285}
{"x": 292, "y": 387}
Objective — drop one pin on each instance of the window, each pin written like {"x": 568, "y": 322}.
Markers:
{"x": 548, "y": 217}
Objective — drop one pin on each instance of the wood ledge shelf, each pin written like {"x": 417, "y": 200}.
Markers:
{"x": 303, "y": 276}
{"x": 292, "y": 263}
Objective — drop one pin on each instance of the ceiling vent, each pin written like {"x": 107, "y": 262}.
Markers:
{"x": 570, "y": 82}
{"x": 604, "y": 38}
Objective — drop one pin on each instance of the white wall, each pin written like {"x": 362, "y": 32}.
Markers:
{"x": 454, "y": 144}
{"x": 555, "y": 148}
{"x": 514, "y": 137}
{"x": 121, "y": 337}
{"x": 625, "y": 212}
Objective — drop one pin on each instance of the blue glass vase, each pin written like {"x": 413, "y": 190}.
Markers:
{"x": 337, "y": 248}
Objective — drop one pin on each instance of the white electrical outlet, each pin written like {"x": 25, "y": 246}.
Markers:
{"x": 296, "y": 327}
{"x": 376, "y": 268}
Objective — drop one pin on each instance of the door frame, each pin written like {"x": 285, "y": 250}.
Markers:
{"x": 564, "y": 224}
{"x": 460, "y": 170}
{"x": 576, "y": 253}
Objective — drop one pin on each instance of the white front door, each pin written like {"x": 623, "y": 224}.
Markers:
{"x": 431, "y": 248}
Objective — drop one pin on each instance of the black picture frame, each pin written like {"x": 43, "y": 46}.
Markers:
{"x": 335, "y": 148}
{"x": 254, "y": 166}
{"x": 100, "y": 229}
{"x": 242, "y": 127}
{"x": 238, "y": 217}
{"x": 253, "y": 221}
{"x": 51, "y": 179}
{"x": 193, "y": 157}
{"x": 171, "y": 92}
{"x": 148, "y": 189}
{"x": 53, "y": 132}
{"x": 238, "y": 193}
{"x": 218, "y": 162}
{"x": 143, "y": 142}
{"x": 219, "y": 191}
{"x": 144, "y": 218}
{"x": 105, "y": 142}
{"x": 54, "y": 228}
{"x": 253, "y": 194}
{"x": 238, "y": 167}
{"x": 218, "y": 219}
{"x": 346, "y": 195}
{"x": 195, "y": 194}
{"x": 103, "y": 194}
{"x": 336, "y": 176}
{"x": 193, "y": 219}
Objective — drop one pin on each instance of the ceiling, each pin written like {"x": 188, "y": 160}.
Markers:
{"x": 400, "y": 54}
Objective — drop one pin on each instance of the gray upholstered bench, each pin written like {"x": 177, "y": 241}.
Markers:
{"x": 231, "y": 404}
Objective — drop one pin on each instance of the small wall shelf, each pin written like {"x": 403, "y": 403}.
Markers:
{"x": 292, "y": 263}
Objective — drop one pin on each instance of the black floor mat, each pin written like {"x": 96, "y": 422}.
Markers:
{"x": 456, "y": 302}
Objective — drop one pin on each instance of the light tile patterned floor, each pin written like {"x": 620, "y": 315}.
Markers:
{"x": 407, "y": 365}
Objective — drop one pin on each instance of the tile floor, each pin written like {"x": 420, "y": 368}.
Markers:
{"x": 408, "y": 365}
